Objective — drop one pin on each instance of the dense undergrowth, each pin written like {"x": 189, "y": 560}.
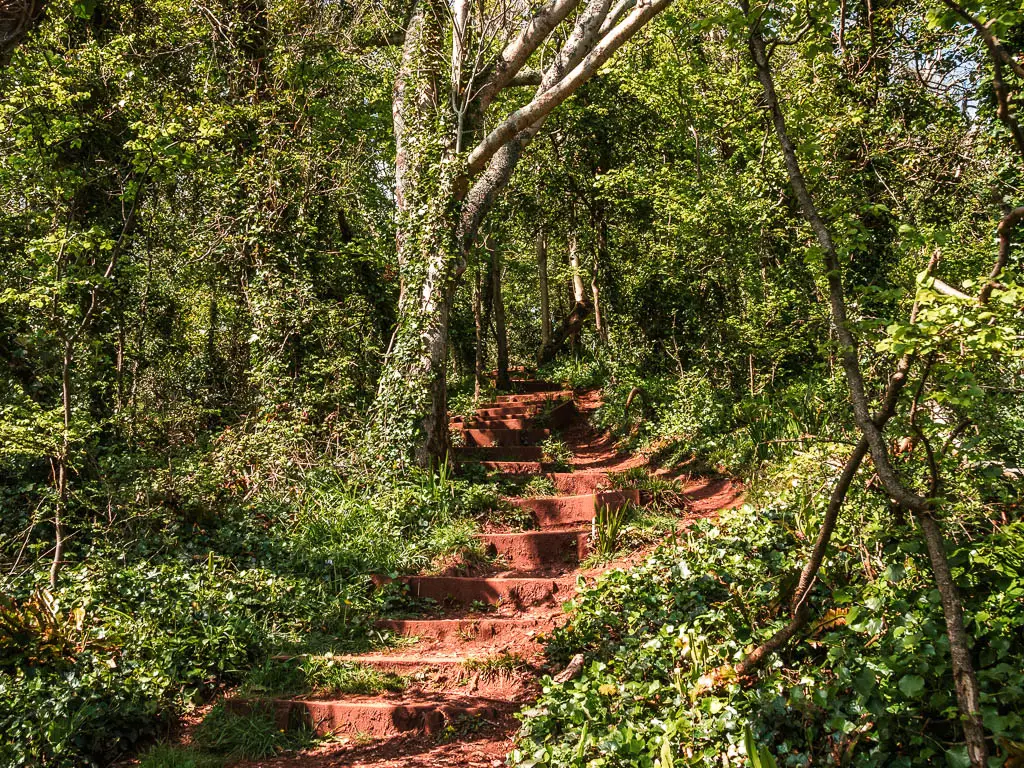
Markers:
{"x": 868, "y": 682}
{"x": 155, "y": 616}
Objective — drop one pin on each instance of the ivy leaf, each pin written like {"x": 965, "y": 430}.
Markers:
{"x": 957, "y": 758}
{"x": 912, "y": 685}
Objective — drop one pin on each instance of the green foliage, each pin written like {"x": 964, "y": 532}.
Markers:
{"x": 248, "y": 736}
{"x": 557, "y": 453}
{"x": 608, "y": 522}
{"x": 870, "y": 679}
{"x": 498, "y": 664}
{"x": 321, "y": 675}
{"x": 170, "y": 756}
{"x": 158, "y": 619}
{"x": 199, "y": 284}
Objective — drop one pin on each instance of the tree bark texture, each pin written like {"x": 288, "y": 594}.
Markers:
{"x": 500, "y": 333}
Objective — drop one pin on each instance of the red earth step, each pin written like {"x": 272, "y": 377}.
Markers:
{"x": 492, "y": 437}
{"x": 513, "y": 468}
{"x": 530, "y": 550}
{"x": 498, "y": 453}
{"x": 575, "y": 483}
{"x": 531, "y": 398}
{"x": 466, "y": 671}
{"x": 512, "y": 411}
{"x": 502, "y": 423}
{"x": 556, "y": 417}
{"x": 377, "y": 717}
{"x": 525, "y": 371}
{"x": 532, "y": 385}
{"x": 550, "y": 511}
{"x": 569, "y": 483}
{"x": 403, "y": 664}
{"x": 467, "y": 629}
{"x": 474, "y": 589}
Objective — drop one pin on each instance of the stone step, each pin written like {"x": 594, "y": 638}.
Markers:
{"x": 531, "y": 550}
{"x": 518, "y": 592}
{"x": 551, "y": 511}
{"x": 469, "y": 629}
{"x": 377, "y": 717}
{"x": 481, "y": 437}
{"x": 500, "y": 453}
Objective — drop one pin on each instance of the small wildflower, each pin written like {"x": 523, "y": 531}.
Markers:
{"x": 608, "y": 689}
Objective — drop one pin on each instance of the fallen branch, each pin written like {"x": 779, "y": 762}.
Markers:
{"x": 572, "y": 671}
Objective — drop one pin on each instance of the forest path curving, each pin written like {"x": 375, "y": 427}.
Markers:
{"x": 473, "y": 657}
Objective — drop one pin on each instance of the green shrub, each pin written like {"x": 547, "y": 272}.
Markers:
{"x": 870, "y": 679}
{"x": 158, "y": 615}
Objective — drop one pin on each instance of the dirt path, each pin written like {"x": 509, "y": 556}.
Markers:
{"x": 474, "y": 658}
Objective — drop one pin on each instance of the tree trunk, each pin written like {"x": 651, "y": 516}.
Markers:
{"x": 443, "y": 194}
{"x": 545, "y": 298}
{"x": 478, "y": 322}
{"x": 602, "y": 331}
{"x": 408, "y": 419}
{"x": 578, "y": 293}
{"x": 500, "y": 335}
{"x": 965, "y": 679}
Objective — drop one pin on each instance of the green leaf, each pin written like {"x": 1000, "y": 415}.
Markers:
{"x": 912, "y": 685}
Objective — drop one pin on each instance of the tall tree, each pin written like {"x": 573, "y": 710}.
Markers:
{"x": 456, "y": 62}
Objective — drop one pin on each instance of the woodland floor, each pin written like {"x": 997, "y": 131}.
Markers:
{"x": 475, "y": 657}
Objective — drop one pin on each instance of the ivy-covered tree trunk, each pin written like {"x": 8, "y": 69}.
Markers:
{"x": 409, "y": 417}
{"x": 444, "y": 187}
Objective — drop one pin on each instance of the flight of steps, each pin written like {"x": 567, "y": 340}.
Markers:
{"x": 474, "y": 659}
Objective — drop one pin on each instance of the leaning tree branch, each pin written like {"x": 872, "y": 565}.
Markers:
{"x": 485, "y": 189}
{"x": 1006, "y": 226}
{"x": 946, "y": 289}
{"x": 515, "y": 55}
{"x": 614, "y": 15}
{"x": 995, "y": 47}
{"x": 542, "y": 105}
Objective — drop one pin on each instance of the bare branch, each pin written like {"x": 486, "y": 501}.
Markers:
{"x": 17, "y": 18}
{"x": 614, "y": 15}
{"x": 1006, "y": 226}
{"x": 948, "y": 290}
